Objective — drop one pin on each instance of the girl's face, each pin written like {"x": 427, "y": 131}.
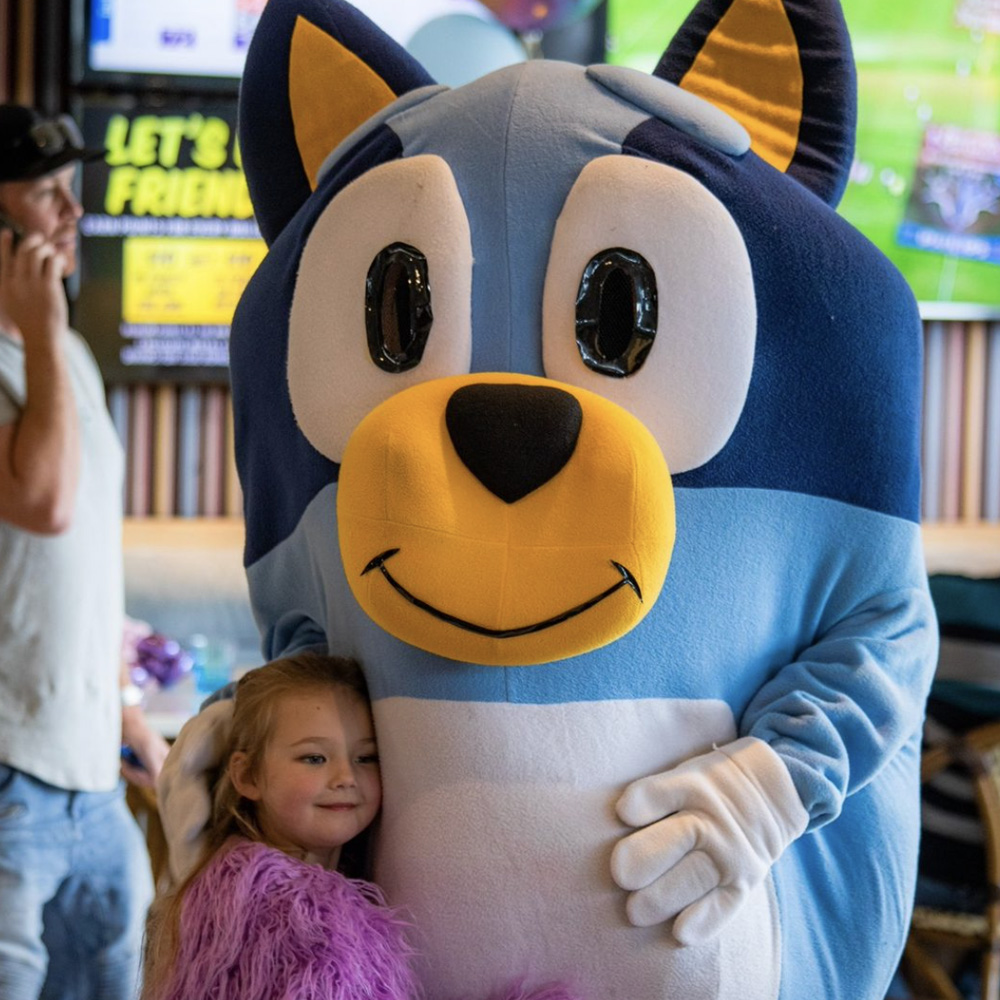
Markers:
{"x": 318, "y": 784}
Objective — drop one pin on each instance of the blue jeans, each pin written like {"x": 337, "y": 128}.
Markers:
{"x": 75, "y": 885}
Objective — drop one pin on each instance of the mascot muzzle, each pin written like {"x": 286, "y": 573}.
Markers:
{"x": 503, "y": 519}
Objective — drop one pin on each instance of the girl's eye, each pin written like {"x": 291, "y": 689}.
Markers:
{"x": 313, "y": 758}
{"x": 368, "y": 758}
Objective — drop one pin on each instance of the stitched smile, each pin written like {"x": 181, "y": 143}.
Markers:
{"x": 627, "y": 580}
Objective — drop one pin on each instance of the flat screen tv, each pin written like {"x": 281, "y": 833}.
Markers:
{"x": 925, "y": 185}
{"x": 193, "y": 45}
{"x": 201, "y": 45}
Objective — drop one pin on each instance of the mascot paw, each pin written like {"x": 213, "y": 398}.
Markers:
{"x": 184, "y": 789}
{"x": 710, "y": 829}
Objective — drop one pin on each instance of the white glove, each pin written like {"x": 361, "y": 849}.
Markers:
{"x": 184, "y": 789}
{"x": 711, "y": 829}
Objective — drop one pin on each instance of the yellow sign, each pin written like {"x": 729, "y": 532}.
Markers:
{"x": 186, "y": 282}
{"x": 174, "y": 165}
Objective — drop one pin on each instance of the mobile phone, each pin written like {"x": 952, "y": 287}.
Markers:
{"x": 131, "y": 757}
{"x": 18, "y": 232}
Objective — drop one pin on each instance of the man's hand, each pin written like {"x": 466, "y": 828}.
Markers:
{"x": 184, "y": 790}
{"x": 710, "y": 830}
{"x": 31, "y": 292}
{"x": 149, "y": 746}
{"x": 40, "y": 451}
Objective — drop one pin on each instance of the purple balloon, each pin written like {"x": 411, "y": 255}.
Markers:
{"x": 539, "y": 15}
{"x": 162, "y": 659}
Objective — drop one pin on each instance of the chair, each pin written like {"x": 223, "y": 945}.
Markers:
{"x": 934, "y": 933}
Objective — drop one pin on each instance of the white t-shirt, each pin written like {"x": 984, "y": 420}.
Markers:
{"x": 61, "y": 604}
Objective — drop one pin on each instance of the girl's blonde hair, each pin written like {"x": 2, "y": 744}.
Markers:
{"x": 257, "y": 694}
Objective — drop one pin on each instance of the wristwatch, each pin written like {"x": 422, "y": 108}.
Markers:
{"x": 131, "y": 695}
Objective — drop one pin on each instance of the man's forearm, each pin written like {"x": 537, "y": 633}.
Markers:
{"x": 45, "y": 449}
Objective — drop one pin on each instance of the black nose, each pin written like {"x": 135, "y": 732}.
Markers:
{"x": 513, "y": 438}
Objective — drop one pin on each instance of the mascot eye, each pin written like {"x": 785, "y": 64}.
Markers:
{"x": 674, "y": 243}
{"x": 616, "y": 312}
{"x": 398, "y": 307}
{"x": 360, "y": 323}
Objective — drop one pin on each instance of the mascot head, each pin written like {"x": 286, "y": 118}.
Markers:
{"x": 509, "y": 319}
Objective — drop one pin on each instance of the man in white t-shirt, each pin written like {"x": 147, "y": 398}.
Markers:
{"x": 74, "y": 875}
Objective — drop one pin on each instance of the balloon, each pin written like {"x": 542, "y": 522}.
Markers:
{"x": 458, "y": 48}
{"x": 161, "y": 659}
{"x": 539, "y": 15}
{"x": 455, "y": 40}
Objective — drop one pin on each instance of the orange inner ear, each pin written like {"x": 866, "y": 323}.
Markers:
{"x": 331, "y": 92}
{"x": 749, "y": 67}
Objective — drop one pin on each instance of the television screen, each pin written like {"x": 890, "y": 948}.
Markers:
{"x": 172, "y": 36}
{"x": 168, "y": 241}
{"x": 202, "y": 44}
{"x": 163, "y": 44}
{"x": 925, "y": 184}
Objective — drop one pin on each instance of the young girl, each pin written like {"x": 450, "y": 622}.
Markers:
{"x": 267, "y": 913}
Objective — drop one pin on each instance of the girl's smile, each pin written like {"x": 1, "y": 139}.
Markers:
{"x": 315, "y": 792}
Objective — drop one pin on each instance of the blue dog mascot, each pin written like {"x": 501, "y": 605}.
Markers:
{"x": 568, "y": 405}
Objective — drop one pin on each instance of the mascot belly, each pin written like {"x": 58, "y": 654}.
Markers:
{"x": 526, "y": 905}
{"x": 568, "y": 405}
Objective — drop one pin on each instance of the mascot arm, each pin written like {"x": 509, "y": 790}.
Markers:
{"x": 710, "y": 829}
{"x": 848, "y": 703}
{"x": 293, "y": 633}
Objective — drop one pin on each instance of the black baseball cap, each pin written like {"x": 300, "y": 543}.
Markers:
{"x": 32, "y": 145}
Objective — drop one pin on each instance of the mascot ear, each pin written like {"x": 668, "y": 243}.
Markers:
{"x": 316, "y": 70}
{"x": 785, "y": 71}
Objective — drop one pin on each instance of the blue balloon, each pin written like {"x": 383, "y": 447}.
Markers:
{"x": 457, "y": 48}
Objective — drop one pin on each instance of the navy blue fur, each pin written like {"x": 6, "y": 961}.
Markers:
{"x": 825, "y": 150}
{"x": 823, "y": 157}
{"x": 267, "y": 136}
{"x": 819, "y": 356}
{"x": 258, "y": 349}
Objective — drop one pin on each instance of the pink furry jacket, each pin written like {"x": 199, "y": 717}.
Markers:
{"x": 259, "y": 925}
